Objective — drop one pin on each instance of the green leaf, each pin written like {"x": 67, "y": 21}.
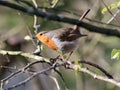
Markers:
{"x": 77, "y": 69}
{"x": 64, "y": 56}
{"x": 115, "y": 54}
{"x": 42, "y": 47}
{"x": 112, "y": 6}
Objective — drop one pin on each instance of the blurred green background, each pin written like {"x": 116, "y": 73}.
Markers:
{"x": 15, "y": 25}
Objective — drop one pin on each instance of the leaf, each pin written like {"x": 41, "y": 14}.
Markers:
{"x": 115, "y": 54}
{"x": 112, "y": 6}
{"x": 77, "y": 69}
{"x": 64, "y": 56}
{"x": 42, "y": 47}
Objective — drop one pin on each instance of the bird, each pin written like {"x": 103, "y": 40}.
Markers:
{"x": 65, "y": 40}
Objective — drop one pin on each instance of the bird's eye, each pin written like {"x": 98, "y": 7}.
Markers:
{"x": 41, "y": 34}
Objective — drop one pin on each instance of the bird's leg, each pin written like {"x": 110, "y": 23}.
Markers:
{"x": 68, "y": 60}
{"x": 68, "y": 57}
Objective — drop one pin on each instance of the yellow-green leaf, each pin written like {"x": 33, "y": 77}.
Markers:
{"x": 42, "y": 47}
{"x": 77, "y": 69}
{"x": 115, "y": 54}
{"x": 110, "y": 7}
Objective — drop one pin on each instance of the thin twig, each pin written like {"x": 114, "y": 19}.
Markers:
{"x": 96, "y": 66}
{"x": 81, "y": 18}
{"x": 113, "y": 16}
{"x": 76, "y": 14}
{"x": 61, "y": 76}
{"x": 27, "y": 55}
{"x": 31, "y": 77}
{"x": 118, "y": 11}
{"x": 99, "y": 77}
{"x": 56, "y": 82}
{"x": 7, "y": 67}
{"x": 19, "y": 71}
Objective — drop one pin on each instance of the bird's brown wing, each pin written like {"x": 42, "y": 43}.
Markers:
{"x": 64, "y": 34}
{"x": 69, "y": 34}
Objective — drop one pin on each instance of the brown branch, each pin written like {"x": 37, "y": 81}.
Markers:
{"x": 27, "y": 55}
{"x": 96, "y": 66}
{"x": 20, "y": 70}
{"x": 72, "y": 66}
{"x": 31, "y": 77}
{"x": 76, "y": 14}
{"x": 99, "y": 77}
{"x": 61, "y": 64}
{"x": 60, "y": 18}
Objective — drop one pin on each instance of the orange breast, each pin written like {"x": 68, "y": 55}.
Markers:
{"x": 47, "y": 41}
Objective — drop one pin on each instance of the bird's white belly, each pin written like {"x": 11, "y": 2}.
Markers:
{"x": 66, "y": 46}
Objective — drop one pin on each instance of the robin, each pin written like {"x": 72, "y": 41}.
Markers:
{"x": 64, "y": 39}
